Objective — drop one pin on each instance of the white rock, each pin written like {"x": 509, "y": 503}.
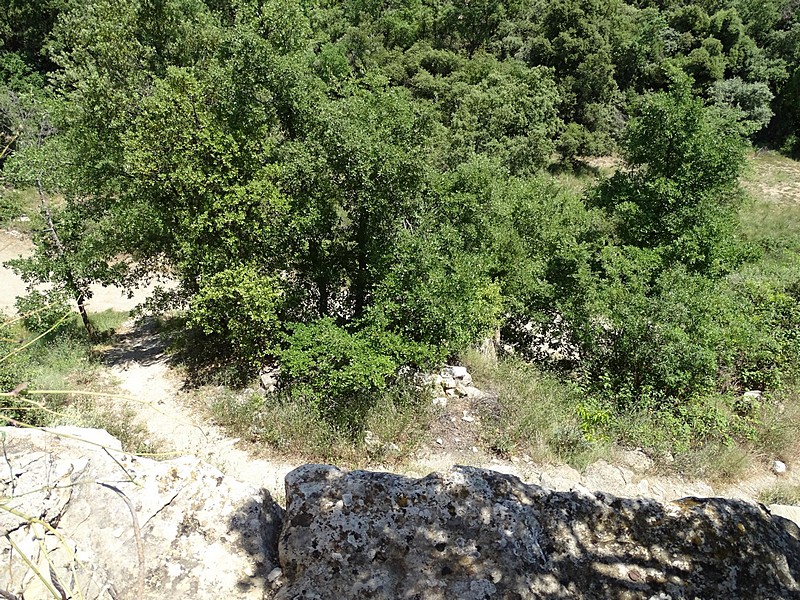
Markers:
{"x": 459, "y": 372}
{"x": 474, "y": 393}
{"x": 454, "y": 372}
{"x": 370, "y": 439}
{"x": 467, "y": 417}
{"x": 466, "y": 379}
{"x": 778, "y": 467}
{"x": 441, "y": 402}
{"x": 448, "y": 383}
{"x": 202, "y": 532}
{"x": 440, "y": 441}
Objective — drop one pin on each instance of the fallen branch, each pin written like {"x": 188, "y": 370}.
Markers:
{"x": 137, "y": 534}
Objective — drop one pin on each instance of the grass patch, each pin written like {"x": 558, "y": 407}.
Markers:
{"x": 64, "y": 361}
{"x": 19, "y": 210}
{"x": 781, "y": 494}
{"x": 392, "y": 428}
{"x": 531, "y": 412}
{"x": 773, "y": 178}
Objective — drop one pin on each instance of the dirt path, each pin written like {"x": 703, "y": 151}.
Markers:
{"x": 15, "y": 245}
{"x": 141, "y": 369}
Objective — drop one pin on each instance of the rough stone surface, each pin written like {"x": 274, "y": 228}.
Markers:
{"x": 203, "y": 535}
{"x": 471, "y": 533}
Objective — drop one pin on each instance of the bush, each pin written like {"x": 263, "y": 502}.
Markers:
{"x": 338, "y": 373}
{"x": 236, "y": 310}
{"x": 44, "y": 310}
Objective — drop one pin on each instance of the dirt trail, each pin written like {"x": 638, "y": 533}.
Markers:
{"x": 140, "y": 367}
{"x": 15, "y": 245}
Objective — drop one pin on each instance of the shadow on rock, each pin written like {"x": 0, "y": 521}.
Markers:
{"x": 471, "y": 533}
{"x": 257, "y": 523}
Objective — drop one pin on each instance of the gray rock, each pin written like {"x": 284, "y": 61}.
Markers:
{"x": 269, "y": 378}
{"x": 471, "y": 533}
{"x": 636, "y": 460}
{"x": 65, "y": 507}
{"x": 454, "y": 371}
{"x": 461, "y": 390}
{"x": 474, "y": 393}
{"x": 448, "y": 383}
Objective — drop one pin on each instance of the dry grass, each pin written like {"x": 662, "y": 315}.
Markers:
{"x": 531, "y": 413}
{"x": 773, "y": 178}
{"x": 393, "y": 428}
{"x": 781, "y": 494}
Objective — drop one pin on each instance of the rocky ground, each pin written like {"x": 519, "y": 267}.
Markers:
{"x": 179, "y": 424}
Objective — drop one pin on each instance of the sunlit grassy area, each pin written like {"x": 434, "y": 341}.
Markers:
{"x": 56, "y": 370}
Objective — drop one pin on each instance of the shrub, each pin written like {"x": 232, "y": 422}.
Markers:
{"x": 236, "y": 310}
{"x": 44, "y": 310}
{"x": 338, "y": 373}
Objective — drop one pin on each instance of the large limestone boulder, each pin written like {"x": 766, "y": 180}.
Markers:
{"x": 79, "y": 518}
{"x": 475, "y": 534}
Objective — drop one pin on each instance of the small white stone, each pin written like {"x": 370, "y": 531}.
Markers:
{"x": 474, "y": 393}
{"x": 475, "y": 449}
{"x": 467, "y": 417}
{"x": 459, "y": 372}
{"x": 440, "y": 441}
{"x": 274, "y": 574}
{"x": 778, "y": 467}
{"x": 448, "y": 383}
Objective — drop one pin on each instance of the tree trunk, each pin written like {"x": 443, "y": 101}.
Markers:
{"x": 79, "y": 291}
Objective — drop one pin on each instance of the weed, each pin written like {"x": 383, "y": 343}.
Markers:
{"x": 531, "y": 412}
{"x": 393, "y": 426}
{"x": 781, "y": 494}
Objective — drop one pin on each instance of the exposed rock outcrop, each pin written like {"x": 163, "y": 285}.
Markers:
{"x": 471, "y": 533}
{"x": 67, "y": 530}
{"x": 66, "y": 508}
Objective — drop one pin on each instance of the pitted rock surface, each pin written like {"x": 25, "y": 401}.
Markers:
{"x": 203, "y": 534}
{"x": 474, "y": 534}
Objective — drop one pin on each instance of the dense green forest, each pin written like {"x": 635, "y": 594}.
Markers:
{"x": 350, "y": 188}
